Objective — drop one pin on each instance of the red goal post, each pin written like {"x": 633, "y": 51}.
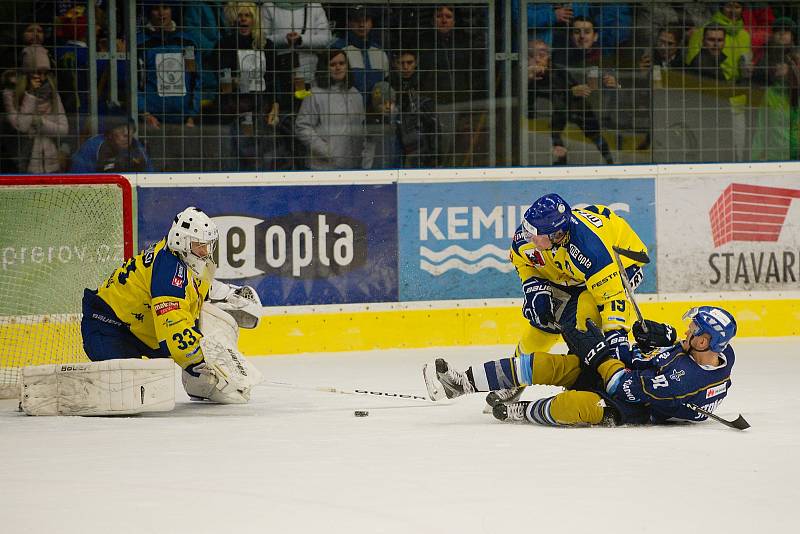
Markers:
{"x": 58, "y": 235}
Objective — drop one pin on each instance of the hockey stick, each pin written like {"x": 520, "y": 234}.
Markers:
{"x": 739, "y": 423}
{"x": 640, "y": 257}
{"x": 331, "y": 389}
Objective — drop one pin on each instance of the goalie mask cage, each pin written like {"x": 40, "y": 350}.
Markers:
{"x": 58, "y": 235}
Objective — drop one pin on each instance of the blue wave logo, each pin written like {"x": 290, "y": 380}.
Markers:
{"x": 457, "y": 258}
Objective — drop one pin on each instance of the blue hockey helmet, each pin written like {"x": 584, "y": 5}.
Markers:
{"x": 548, "y": 215}
{"x": 714, "y": 321}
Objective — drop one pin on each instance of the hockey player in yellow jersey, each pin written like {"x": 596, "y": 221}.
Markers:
{"x": 151, "y": 306}
{"x": 565, "y": 261}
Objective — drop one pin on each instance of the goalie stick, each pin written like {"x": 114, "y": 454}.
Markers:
{"x": 739, "y": 423}
{"x": 331, "y": 389}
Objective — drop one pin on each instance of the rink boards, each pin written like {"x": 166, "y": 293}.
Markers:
{"x": 373, "y": 260}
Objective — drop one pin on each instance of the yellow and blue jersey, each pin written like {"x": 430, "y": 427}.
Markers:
{"x": 586, "y": 260}
{"x": 157, "y": 298}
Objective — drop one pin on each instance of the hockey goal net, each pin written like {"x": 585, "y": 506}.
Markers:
{"x": 58, "y": 235}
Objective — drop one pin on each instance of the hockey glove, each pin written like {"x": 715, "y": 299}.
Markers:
{"x": 620, "y": 346}
{"x": 538, "y": 305}
{"x": 590, "y": 346}
{"x": 657, "y": 335}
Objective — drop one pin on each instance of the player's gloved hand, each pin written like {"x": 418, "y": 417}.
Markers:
{"x": 657, "y": 335}
{"x": 538, "y": 305}
{"x": 620, "y": 345}
{"x": 590, "y": 346}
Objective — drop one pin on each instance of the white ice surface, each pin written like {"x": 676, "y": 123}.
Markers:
{"x": 298, "y": 461}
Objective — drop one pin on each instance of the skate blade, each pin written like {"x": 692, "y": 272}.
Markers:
{"x": 435, "y": 389}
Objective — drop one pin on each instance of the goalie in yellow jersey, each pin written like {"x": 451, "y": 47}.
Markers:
{"x": 564, "y": 258}
{"x": 155, "y": 306}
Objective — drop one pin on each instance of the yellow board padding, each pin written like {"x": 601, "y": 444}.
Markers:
{"x": 35, "y": 344}
{"x": 374, "y": 330}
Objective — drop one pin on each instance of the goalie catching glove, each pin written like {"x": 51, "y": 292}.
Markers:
{"x": 224, "y": 376}
{"x": 241, "y": 302}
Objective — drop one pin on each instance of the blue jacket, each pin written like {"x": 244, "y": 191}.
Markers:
{"x": 88, "y": 158}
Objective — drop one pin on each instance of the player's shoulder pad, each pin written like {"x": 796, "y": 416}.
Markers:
{"x": 586, "y": 248}
{"x": 598, "y": 209}
{"x": 170, "y": 275}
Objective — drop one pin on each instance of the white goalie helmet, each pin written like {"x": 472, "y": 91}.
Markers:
{"x": 193, "y": 236}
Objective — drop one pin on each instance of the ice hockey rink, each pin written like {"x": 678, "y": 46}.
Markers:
{"x": 297, "y": 460}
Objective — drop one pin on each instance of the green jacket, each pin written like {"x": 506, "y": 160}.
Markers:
{"x": 737, "y": 44}
{"x": 774, "y": 139}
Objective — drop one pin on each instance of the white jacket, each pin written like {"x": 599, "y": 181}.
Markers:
{"x": 309, "y": 20}
{"x": 331, "y": 124}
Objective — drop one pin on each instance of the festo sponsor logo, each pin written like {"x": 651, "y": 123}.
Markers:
{"x": 304, "y": 245}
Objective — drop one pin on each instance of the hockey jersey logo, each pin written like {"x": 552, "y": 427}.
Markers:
{"x": 180, "y": 276}
{"x": 166, "y": 307}
{"x": 535, "y": 256}
{"x": 677, "y": 374}
{"x": 716, "y": 390}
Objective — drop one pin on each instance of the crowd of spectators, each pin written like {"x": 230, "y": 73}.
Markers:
{"x": 292, "y": 86}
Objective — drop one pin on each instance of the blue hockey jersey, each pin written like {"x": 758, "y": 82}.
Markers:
{"x": 658, "y": 388}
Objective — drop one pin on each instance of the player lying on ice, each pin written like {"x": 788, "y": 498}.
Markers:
{"x": 565, "y": 261}
{"x": 610, "y": 385}
{"x": 159, "y": 305}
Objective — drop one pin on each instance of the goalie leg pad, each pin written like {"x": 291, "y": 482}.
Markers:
{"x": 111, "y": 387}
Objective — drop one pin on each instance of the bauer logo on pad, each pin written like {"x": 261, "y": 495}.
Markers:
{"x": 166, "y": 307}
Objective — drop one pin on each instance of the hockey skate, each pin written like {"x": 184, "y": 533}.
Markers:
{"x": 445, "y": 382}
{"x": 513, "y": 412}
{"x": 502, "y": 396}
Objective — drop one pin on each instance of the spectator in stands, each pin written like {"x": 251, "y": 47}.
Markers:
{"x": 668, "y": 52}
{"x": 170, "y": 81}
{"x": 586, "y": 74}
{"x": 169, "y": 89}
{"x": 33, "y": 34}
{"x": 567, "y": 105}
{"x": 551, "y": 22}
{"x": 783, "y": 34}
{"x": 115, "y": 150}
{"x": 298, "y": 31}
{"x": 773, "y": 129}
{"x": 681, "y": 16}
{"x": 383, "y": 127}
{"x": 244, "y": 61}
{"x": 758, "y": 19}
{"x": 455, "y": 60}
{"x": 35, "y": 113}
{"x": 736, "y": 53}
{"x": 710, "y": 61}
{"x": 72, "y": 68}
{"x": 418, "y": 125}
{"x": 368, "y": 62}
{"x": 331, "y": 120}
{"x": 199, "y": 21}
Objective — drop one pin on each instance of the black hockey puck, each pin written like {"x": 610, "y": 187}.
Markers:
{"x": 361, "y": 413}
